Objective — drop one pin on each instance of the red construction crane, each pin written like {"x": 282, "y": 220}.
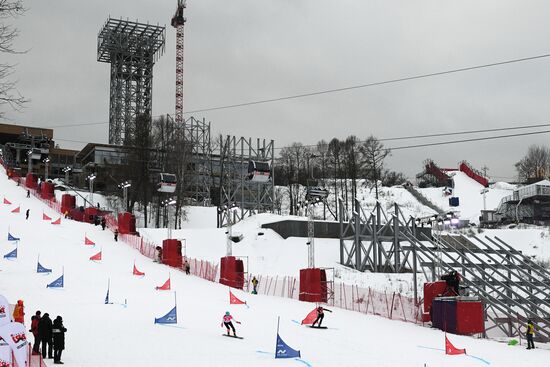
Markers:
{"x": 178, "y": 21}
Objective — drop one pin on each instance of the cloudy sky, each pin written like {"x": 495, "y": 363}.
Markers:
{"x": 245, "y": 50}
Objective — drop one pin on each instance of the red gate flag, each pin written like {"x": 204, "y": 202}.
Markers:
{"x": 45, "y": 217}
{"x": 6, "y": 201}
{"x": 96, "y": 257}
{"x": 16, "y": 210}
{"x": 450, "y": 349}
{"x": 310, "y": 317}
{"x": 165, "y": 286}
{"x": 137, "y": 272}
{"x": 58, "y": 221}
{"x": 88, "y": 241}
{"x": 233, "y": 300}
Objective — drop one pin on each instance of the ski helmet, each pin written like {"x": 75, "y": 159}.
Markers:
{"x": 227, "y": 313}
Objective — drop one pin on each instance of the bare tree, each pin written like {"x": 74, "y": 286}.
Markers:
{"x": 8, "y": 92}
{"x": 535, "y": 166}
{"x": 374, "y": 154}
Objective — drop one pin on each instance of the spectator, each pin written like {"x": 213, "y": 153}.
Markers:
{"x": 58, "y": 332}
{"x": 45, "y": 335}
{"x": 530, "y": 334}
{"x": 34, "y": 330}
{"x": 254, "y": 285}
{"x": 28, "y": 193}
{"x": 19, "y": 312}
{"x": 159, "y": 254}
{"x": 187, "y": 267}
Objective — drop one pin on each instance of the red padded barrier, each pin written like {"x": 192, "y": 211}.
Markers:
{"x": 432, "y": 290}
{"x": 473, "y": 175}
{"x": 232, "y": 272}
{"x": 171, "y": 253}
{"x": 68, "y": 202}
{"x": 469, "y": 317}
{"x": 89, "y": 214}
{"x": 126, "y": 223}
{"x": 46, "y": 191}
{"x": 31, "y": 181}
{"x": 313, "y": 285}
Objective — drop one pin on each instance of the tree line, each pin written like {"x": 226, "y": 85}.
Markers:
{"x": 338, "y": 165}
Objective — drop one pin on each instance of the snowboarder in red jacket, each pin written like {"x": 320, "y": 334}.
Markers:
{"x": 228, "y": 324}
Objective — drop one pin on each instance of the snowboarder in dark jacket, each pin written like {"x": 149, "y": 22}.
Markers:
{"x": 116, "y": 235}
{"x": 320, "y": 316}
{"x": 58, "y": 332}
{"x": 27, "y": 214}
{"x": 45, "y": 334}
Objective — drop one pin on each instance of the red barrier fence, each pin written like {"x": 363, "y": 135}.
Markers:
{"x": 473, "y": 174}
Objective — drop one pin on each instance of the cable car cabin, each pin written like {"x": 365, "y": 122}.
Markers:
{"x": 167, "y": 183}
{"x": 259, "y": 171}
{"x": 316, "y": 193}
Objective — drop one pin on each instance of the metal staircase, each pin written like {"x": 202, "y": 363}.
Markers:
{"x": 424, "y": 200}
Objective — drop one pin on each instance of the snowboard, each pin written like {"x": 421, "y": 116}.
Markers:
{"x": 317, "y": 327}
{"x": 231, "y": 336}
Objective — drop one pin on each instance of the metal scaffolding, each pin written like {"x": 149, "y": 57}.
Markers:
{"x": 132, "y": 49}
{"x": 511, "y": 285}
{"x": 198, "y": 177}
{"x": 235, "y": 190}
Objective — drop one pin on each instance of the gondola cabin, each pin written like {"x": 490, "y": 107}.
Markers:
{"x": 316, "y": 193}
{"x": 259, "y": 171}
{"x": 167, "y": 183}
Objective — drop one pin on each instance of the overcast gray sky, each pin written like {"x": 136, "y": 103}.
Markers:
{"x": 244, "y": 50}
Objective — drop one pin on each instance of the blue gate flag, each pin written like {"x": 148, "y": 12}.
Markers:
{"x": 284, "y": 351}
{"x": 41, "y": 269}
{"x": 170, "y": 318}
{"x": 58, "y": 283}
{"x": 12, "y": 238}
{"x": 11, "y": 254}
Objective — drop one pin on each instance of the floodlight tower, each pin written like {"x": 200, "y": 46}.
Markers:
{"x": 178, "y": 21}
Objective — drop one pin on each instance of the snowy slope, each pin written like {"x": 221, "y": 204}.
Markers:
{"x": 469, "y": 193}
{"x": 111, "y": 335}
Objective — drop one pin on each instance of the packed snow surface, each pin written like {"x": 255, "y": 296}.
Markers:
{"x": 114, "y": 335}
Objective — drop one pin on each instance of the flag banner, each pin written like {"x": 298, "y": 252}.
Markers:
{"x": 11, "y": 254}
{"x": 16, "y": 210}
{"x": 57, "y": 221}
{"x": 45, "y": 217}
{"x": 233, "y": 300}
{"x": 41, "y": 269}
{"x": 170, "y": 318}
{"x": 14, "y": 334}
{"x": 88, "y": 241}
{"x": 165, "y": 286}
{"x": 58, "y": 283}
{"x": 96, "y": 257}
{"x": 5, "y": 317}
{"x": 284, "y": 351}
{"x": 5, "y": 353}
{"x": 7, "y": 202}
{"x": 137, "y": 272}
{"x": 450, "y": 349}
{"x": 12, "y": 238}
{"x": 310, "y": 317}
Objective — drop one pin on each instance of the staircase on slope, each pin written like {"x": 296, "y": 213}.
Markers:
{"x": 424, "y": 200}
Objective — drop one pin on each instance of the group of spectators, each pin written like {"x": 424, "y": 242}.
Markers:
{"x": 49, "y": 337}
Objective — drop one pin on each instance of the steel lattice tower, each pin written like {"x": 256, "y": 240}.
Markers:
{"x": 178, "y": 22}
{"x": 132, "y": 49}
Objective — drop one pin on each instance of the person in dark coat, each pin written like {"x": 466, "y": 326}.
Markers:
{"x": 116, "y": 235}
{"x": 58, "y": 332}
{"x": 45, "y": 334}
{"x": 27, "y": 213}
{"x": 34, "y": 330}
{"x": 103, "y": 223}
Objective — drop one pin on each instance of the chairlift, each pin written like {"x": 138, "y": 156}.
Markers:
{"x": 316, "y": 193}
{"x": 259, "y": 171}
{"x": 167, "y": 183}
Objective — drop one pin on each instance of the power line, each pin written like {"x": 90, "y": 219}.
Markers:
{"x": 373, "y": 84}
{"x": 469, "y": 140}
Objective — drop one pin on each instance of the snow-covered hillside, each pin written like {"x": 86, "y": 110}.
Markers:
{"x": 113, "y": 335}
{"x": 470, "y": 196}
